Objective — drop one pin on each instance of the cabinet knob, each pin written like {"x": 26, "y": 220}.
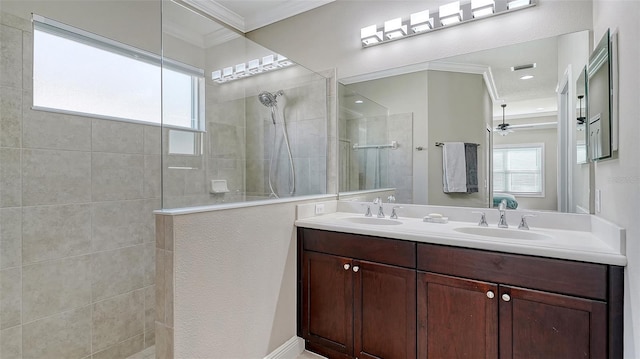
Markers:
{"x": 347, "y": 266}
{"x": 506, "y": 297}
{"x": 356, "y": 268}
{"x": 490, "y": 294}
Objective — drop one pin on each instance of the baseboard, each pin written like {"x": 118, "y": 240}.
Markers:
{"x": 291, "y": 349}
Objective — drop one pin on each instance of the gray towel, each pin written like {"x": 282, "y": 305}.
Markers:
{"x": 471, "y": 159}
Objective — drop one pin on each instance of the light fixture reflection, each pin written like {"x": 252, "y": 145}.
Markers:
{"x": 420, "y": 21}
{"x": 250, "y": 68}
{"x": 450, "y": 13}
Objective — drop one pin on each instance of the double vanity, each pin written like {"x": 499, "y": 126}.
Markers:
{"x": 372, "y": 287}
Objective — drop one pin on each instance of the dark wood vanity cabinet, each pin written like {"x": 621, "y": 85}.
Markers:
{"x": 370, "y": 297}
{"x": 353, "y": 307}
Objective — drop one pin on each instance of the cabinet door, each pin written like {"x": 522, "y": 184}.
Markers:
{"x": 385, "y": 311}
{"x": 543, "y": 325}
{"x": 327, "y": 299}
{"x": 457, "y": 318}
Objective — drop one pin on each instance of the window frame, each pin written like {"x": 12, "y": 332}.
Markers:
{"x": 71, "y": 33}
{"x": 506, "y": 172}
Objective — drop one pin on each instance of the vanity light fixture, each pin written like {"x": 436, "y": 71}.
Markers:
{"x": 394, "y": 29}
{"x": 448, "y": 15}
{"x": 517, "y": 4}
{"x": 250, "y": 68}
{"x": 480, "y": 8}
{"x": 420, "y": 21}
{"x": 370, "y": 35}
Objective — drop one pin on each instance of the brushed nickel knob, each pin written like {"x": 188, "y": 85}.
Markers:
{"x": 356, "y": 268}
{"x": 506, "y": 297}
{"x": 347, "y": 266}
{"x": 490, "y": 294}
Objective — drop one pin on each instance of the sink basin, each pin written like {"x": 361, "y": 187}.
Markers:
{"x": 372, "y": 220}
{"x": 502, "y": 233}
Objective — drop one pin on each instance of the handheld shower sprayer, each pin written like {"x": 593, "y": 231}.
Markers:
{"x": 270, "y": 100}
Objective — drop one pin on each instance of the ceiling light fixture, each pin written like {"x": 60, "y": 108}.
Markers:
{"x": 251, "y": 68}
{"x": 526, "y": 77}
{"x": 480, "y": 8}
{"x": 359, "y": 101}
{"x": 422, "y": 22}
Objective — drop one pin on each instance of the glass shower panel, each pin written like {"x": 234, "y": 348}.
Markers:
{"x": 364, "y": 155}
{"x": 259, "y": 120}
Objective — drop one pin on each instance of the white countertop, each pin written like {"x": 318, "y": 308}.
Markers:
{"x": 599, "y": 242}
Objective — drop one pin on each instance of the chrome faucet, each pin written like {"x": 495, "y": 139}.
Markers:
{"x": 394, "y": 214}
{"x": 523, "y": 221}
{"x": 483, "y": 219}
{"x": 502, "y": 223}
{"x": 378, "y": 201}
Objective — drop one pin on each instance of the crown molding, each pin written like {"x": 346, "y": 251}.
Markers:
{"x": 220, "y": 12}
{"x": 180, "y": 33}
{"x": 218, "y": 37}
{"x": 483, "y": 70}
{"x": 281, "y": 12}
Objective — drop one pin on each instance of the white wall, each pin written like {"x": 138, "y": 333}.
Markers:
{"x": 329, "y": 36}
{"x": 619, "y": 178}
{"x": 235, "y": 281}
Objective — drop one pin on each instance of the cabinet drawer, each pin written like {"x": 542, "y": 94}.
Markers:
{"x": 554, "y": 275}
{"x": 375, "y": 249}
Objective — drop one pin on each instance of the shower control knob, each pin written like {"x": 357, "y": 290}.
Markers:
{"x": 347, "y": 266}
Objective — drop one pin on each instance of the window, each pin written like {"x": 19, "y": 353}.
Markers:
{"x": 518, "y": 169}
{"x": 78, "y": 72}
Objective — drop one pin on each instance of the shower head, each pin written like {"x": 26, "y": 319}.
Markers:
{"x": 269, "y": 99}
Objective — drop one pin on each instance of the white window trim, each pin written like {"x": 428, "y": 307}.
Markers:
{"x": 540, "y": 194}
{"x": 60, "y": 29}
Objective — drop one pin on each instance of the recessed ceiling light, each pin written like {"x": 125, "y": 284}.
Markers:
{"x": 526, "y": 77}
{"x": 540, "y": 109}
{"x": 359, "y": 101}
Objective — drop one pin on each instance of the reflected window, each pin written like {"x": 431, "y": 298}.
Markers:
{"x": 518, "y": 169}
{"x": 81, "y": 73}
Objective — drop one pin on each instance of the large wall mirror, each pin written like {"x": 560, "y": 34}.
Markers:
{"x": 459, "y": 99}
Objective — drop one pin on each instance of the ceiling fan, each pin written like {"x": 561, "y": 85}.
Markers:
{"x": 503, "y": 128}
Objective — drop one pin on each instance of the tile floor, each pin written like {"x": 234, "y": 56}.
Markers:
{"x": 309, "y": 355}
{"x": 149, "y": 353}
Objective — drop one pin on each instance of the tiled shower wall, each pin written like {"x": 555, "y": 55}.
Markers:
{"x": 77, "y": 237}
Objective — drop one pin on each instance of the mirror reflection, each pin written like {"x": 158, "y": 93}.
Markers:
{"x": 599, "y": 101}
{"x": 458, "y": 100}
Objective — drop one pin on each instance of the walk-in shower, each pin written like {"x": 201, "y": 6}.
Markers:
{"x": 270, "y": 100}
